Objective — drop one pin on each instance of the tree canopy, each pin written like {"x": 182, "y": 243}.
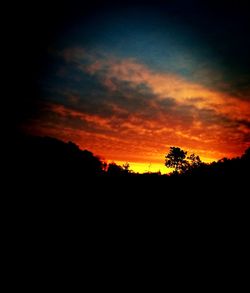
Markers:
{"x": 176, "y": 158}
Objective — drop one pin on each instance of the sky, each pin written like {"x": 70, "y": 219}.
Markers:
{"x": 128, "y": 80}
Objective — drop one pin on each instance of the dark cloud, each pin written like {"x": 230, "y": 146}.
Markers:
{"x": 245, "y": 123}
{"x": 87, "y": 93}
{"x": 139, "y": 73}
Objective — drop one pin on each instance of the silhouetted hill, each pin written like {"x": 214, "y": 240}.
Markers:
{"x": 46, "y": 156}
{"x": 53, "y": 192}
{"x": 48, "y": 164}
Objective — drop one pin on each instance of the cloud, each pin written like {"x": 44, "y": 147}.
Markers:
{"x": 110, "y": 70}
{"x": 123, "y": 110}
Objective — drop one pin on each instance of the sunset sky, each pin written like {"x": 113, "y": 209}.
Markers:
{"x": 128, "y": 80}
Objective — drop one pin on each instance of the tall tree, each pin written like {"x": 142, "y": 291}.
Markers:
{"x": 176, "y": 158}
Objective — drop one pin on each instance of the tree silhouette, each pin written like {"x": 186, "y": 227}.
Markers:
{"x": 194, "y": 161}
{"x": 246, "y": 155}
{"x": 114, "y": 169}
{"x": 46, "y": 159}
{"x": 176, "y": 158}
{"x": 49, "y": 157}
{"x": 126, "y": 167}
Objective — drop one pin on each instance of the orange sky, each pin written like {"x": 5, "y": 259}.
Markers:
{"x": 142, "y": 113}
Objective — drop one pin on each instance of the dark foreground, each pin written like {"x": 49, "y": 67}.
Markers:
{"x": 57, "y": 212}
{"x": 36, "y": 162}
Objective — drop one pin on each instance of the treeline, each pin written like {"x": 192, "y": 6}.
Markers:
{"x": 48, "y": 157}
{"x": 185, "y": 165}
